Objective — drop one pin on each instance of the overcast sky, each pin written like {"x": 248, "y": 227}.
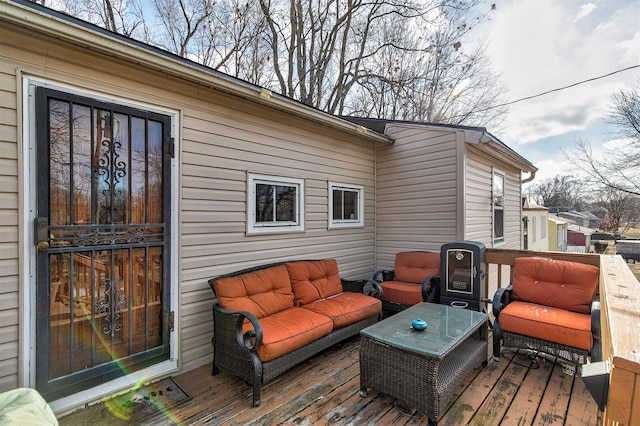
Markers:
{"x": 541, "y": 45}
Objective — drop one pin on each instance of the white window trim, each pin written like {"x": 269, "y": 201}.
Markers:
{"x": 346, "y": 223}
{"x": 500, "y": 241}
{"x": 271, "y": 228}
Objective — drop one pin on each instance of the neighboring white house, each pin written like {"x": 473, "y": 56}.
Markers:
{"x": 132, "y": 173}
{"x": 586, "y": 218}
{"x": 535, "y": 220}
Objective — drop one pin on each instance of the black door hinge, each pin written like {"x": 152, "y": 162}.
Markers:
{"x": 172, "y": 148}
{"x": 170, "y": 319}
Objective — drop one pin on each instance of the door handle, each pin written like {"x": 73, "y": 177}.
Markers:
{"x": 41, "y": 233}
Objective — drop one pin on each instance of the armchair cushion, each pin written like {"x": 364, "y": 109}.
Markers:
{"x": 555, "y": 283}
{"x": 314, "y": 280}
{"x": 401, "y": 292}
{"x": 346, "y": 308}
{"x": 262, "y": 293}
{"x": 546, "y": 323}
{"x": 289, "y": 330}
{"x": 416, "y": 266}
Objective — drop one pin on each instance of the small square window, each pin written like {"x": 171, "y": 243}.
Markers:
{"x": 275, "y": 204}
{"x": 346, "y": 205}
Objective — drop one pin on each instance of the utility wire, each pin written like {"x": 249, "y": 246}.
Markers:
{"x": 560, "y": 88}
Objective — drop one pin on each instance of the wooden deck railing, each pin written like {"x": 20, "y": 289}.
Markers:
{"x": 619, "y": 316}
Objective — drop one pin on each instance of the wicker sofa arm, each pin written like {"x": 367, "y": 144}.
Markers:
{"x": 359, "y": 286}
{"x": 595, "y": 318}
{"x": 383, "y": 275}
{"x": 249, "y": 340}
{"x": 430, "y": 286}
{"x": 376, "y": 289}
{"x": 501, "y": 298}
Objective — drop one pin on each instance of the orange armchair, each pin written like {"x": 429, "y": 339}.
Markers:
{"x": 414, "y": 279}
{"x": 551, "y": 306}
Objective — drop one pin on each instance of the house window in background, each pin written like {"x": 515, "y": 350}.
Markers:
{"x": 274, "y": 204}
{"x": 346, "y": 205}
{"x": 498, "y": 207}
{"x": 534, "y": 229}
{"x": 543, "y": 227}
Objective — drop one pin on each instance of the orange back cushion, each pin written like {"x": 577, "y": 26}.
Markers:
{"x": 557, "y": 283}
{"x": 416, "y": 266}
{"x": 262, "y": 293}
{"x": 314, "y": 280}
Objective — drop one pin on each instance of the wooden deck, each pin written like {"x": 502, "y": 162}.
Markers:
{"x": 325, "y": 390}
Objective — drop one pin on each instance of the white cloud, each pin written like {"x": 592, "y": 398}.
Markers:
{"x": 631, "y": 49}
{"x": 544, "y": 45}
{"x": 585, "y": 10}
{"x": 553, "y": 167}
{"x": 558, "y": 113}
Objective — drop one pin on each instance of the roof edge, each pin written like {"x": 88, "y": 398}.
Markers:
{"x": 474, "y": 135}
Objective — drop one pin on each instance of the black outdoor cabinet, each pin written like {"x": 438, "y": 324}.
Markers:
{"x": 462, "y": 274}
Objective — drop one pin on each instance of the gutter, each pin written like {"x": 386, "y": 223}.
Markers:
{"x": 480, "y": 136}
{"x": 88, "y": 36}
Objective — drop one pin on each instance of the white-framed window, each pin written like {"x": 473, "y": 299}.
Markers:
{"x": 346, "y": 205}
{"x": 534, "y": 228}
{"x": 274, "y": 204}
{"x": 543, "y": 226}
{"x": 498, "y": 207}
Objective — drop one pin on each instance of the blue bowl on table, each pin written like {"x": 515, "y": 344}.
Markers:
{"x": 419, "y": 324}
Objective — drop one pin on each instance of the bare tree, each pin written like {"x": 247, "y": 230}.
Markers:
{"x": 623, "y": 211}
{"x": 615, "y": 168}
{"x": 125, "y": 17}
{"x": 460, "y": 90}
{"x": 388, "y": 58}
{"x": 181, "y": 21}
{"x": 563, "y": 191}
{"x": 232, "y": 40}
{"x": 396, "y": 59}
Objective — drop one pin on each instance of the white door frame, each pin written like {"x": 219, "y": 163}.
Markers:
{"x": 27, "y": 332}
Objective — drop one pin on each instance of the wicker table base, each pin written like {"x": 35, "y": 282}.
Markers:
{"x": 422, "y": 369}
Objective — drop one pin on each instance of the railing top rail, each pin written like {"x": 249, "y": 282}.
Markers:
{"x": 622, "y": 310}
{"x": 507, "y": 256}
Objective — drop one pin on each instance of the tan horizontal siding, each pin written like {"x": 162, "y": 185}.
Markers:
{"x": 220, "y": 138}
{"x": 479, "y": 207}
{"x": 233, "y": 142}
{"x": 416, "y": 192}
{"x": 9, "y": 219}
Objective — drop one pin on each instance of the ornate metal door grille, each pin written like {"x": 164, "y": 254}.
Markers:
{"x": 102, "y": 277}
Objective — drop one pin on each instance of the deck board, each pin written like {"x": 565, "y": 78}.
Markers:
{"x": 555, "y": 401}
{"x": 524, "y": 406}
{"x": 325, "y": 390}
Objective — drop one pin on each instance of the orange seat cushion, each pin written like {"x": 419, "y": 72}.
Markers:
{"x": 555, "y": 283}
{"x": 546, "y": 323}
{"x": 289, "y": 330}
{"x": 262, "y": 293}
{"x": 416, "y": 266}
{"x": 401, "y": 292}
{"x": 346, "y": 308}
{"x": 314, "y": 280}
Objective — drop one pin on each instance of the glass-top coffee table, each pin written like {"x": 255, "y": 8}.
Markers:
{"x": 422, "y": 368}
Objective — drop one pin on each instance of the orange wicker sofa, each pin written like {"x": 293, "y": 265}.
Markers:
{"x": 414, "y": 279}
{"x": 552, "y": 307}
{"x": 270, "y": 318}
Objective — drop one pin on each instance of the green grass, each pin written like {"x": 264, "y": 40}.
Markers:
{"x": 633, "y": 233}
